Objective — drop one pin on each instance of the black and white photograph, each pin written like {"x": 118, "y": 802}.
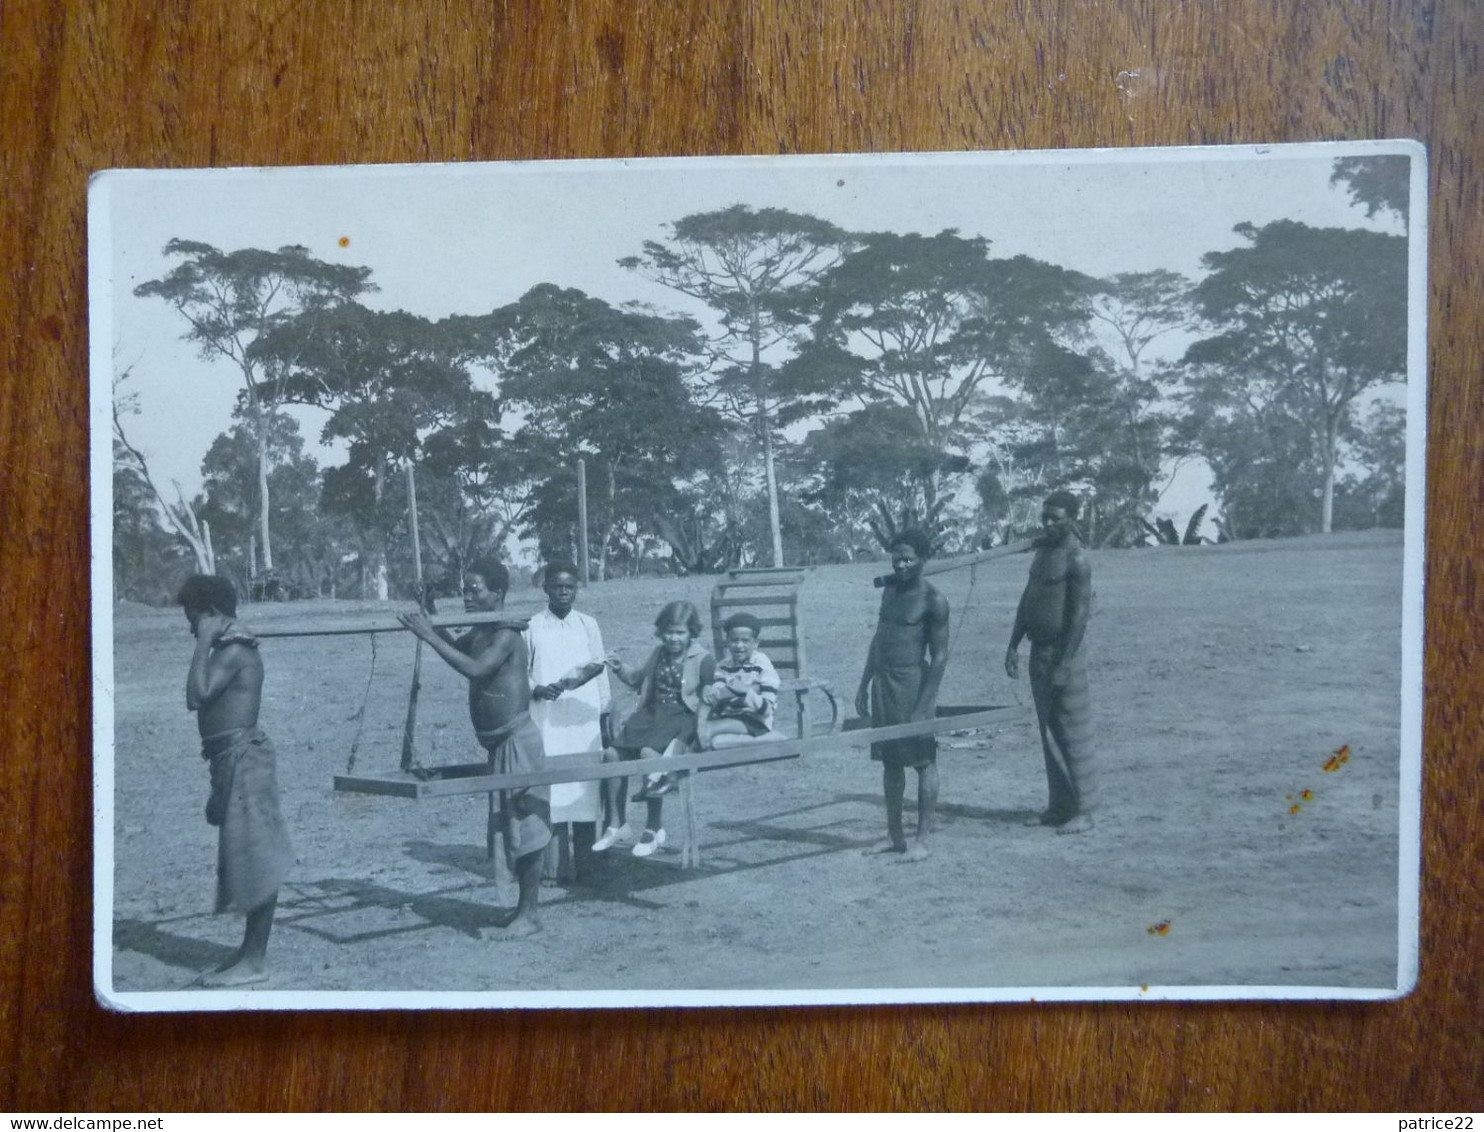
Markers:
{"x": 949, "y": 577}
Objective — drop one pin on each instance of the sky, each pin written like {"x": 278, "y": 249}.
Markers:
{"x": 446, "y": 239}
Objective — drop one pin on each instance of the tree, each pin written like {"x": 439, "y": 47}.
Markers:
{"x": 388, "y": 379}
{"x": 1306, "y": 321}
{"x": 1095, "y": 424}
{"x": 231, "y": 299}
{"x": 1123, "y": 443}
{"x": 228, "y": 501}
{"x": 1381, "y": 184}
{"x": 748, "y": 266}
{"x": 147, "y": 559}
{"x": 1376, "y": 495}
{"x": 608, "y": 384}
{"x": 933, "y": 324}
{"x": 869, "y": 469}
{"x": 178, "y": 513}
{"x": 475, "y": 487}
{"x": 1264, "y": 466}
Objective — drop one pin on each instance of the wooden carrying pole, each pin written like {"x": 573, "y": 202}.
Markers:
{"x": 943, "y": 565}
{"x": 409, "y": 728}
{"x": 348, "y": 626}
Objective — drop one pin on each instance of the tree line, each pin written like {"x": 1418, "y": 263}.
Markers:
{"x": 848, "y": 383}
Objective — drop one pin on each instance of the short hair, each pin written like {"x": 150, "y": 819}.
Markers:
{"x": 679, "y": 613}
{"x": 560, "y": 566}
{"x": 917, "y": 539}
{"x": 492, "y": 570}
{"x": 201, "y": 592}
{"x": 1065, "y": 500}
{"x": 742, "y": 621}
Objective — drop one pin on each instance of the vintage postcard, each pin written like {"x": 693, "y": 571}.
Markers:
{"x": 956, "y": 577}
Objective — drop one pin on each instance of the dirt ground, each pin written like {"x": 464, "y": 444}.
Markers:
{"x": 1223, "y": 680}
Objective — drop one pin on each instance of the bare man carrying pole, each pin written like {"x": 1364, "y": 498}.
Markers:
{"x": 899, "y": 684}
{"x": 1053, "y": 613}
{"x": 494, "y": 660}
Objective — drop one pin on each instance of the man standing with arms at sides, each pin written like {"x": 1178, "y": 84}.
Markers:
{"x": 1053, "y": 613}
{"x": 569, "y": 694}
{"x": 492, "y": 658}
{"x": 900, "y": 685}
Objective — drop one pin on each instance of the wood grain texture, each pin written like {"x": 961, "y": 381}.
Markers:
{"x": 168, "y": 83}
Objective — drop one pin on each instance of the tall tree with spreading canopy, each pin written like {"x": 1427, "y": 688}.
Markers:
{"x": 933, "y": 324}
{"x": 476, "y": 486}
{"x": 1100, "y": 416}
{"x": 1264, "y": 465}
{"x": 608, "y": 384}
{"x": 231, "y": 299}
{"x": 860, "y": 471}
{"x": 389, "y": 380}
{"x": 1306, "y": 320}
{"x": 748, "y": 265}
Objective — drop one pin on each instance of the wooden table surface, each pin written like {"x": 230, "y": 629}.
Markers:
{"x": 166, "y": 83}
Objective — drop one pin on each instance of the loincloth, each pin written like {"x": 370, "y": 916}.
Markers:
{"x": 253, "y": 848}
{"x": 894, "y": 694}
{"x": 525, "y": 814}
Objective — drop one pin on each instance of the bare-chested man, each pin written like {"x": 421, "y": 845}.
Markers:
{"x": 224, "y": 687}
{"x": 899, "y": 684}
{"x": 493, "y": 659}
{"x": 1053, "y": 613}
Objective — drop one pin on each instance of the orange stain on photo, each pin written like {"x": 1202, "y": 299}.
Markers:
{"x": 1161, "y": 928}
{"x": 1338, "y": 759}
{"x": 345, "y": 241}
{"x": 1295, "y": 808}
{"x": 1307, "y": 795}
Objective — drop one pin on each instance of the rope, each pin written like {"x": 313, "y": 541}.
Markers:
{"x": 963, "y": 612}
{"x": 968, "y": 599}
{"x": 360, "y": 712}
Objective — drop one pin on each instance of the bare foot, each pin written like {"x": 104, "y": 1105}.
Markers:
{"x": 887, "y": 846}
{"x": 517, "y": 929}
{"x": 917, "y": 851}
{"x": 1046, "y": 817}
{"x": 515, "y": 926}
{"x": 1079, "y": 824}
{"x": 239, "y": 974}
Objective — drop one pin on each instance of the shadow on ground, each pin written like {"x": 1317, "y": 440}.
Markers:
{"x": 333, "y": 909}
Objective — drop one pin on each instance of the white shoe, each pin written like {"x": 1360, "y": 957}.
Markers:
{"x": 623, "y": 835}
{"x": 650, "y": 842}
